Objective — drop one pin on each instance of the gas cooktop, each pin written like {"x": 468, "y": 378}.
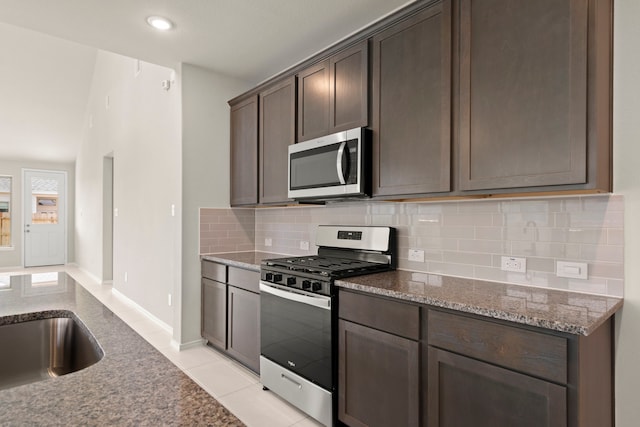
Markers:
{"x": 327, "y": 266}
{"x": 343, "y": 251}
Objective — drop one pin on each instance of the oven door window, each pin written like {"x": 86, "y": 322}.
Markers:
{"x": 297, "y": 336}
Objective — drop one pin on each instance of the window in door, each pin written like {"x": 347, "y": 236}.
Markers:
{"x": 5, "y": 211}
{"x": 44, "y": 196}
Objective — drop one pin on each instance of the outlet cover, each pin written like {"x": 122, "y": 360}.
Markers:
{"x": 268, "y": 241}
{"x": 304, "y": 245}
{"x": 416, "y": 255}
{"x": 572, "y": 270}
{"x": 515, "y": 264}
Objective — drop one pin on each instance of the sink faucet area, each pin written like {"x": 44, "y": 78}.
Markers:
{"x": 40, "y": 349}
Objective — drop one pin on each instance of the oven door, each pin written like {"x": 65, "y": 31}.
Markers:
{"x": 295, "y": 332}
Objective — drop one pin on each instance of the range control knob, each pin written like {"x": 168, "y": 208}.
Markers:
{"x": 306, "y": 284}
{"x": 277, "y": 277}
{"x": 268, "y": 277}
{"x": 291, "y": 281}
{"x": 317, "y": 286}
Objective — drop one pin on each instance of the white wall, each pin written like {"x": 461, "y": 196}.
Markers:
{"x": 13, "y": 257}
{"x": 626, "y": 131}
{"x": 205, "y": 178}
{"x": 140, "y": 125}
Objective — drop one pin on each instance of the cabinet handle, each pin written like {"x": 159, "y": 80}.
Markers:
{"x": 230, "y": 321}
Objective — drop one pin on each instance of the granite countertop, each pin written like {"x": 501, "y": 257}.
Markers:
{"x": 563, "y": 311}
{"x": 248, "y": 260}
{"x": 133, "y": 384}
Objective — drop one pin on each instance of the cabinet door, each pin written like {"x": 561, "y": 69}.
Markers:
{"x": 349, "y": 71}
{"x": 378, "y": 376}
{"x": 243, "y": 323}
{"x": 244, "y": 152}
{"x": 411, "y": 105}
{"x": 466, "y": 392}
{"x": 313, "y": 101}
{"x": 277, "y": 132}
{"x": 214, "y": 312}
{"x": 523, "y": 93}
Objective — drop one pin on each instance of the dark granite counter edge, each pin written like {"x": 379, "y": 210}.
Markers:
{"x": 555, "y": 325}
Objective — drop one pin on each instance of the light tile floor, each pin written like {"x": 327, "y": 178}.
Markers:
{"x": 233, "y": 385}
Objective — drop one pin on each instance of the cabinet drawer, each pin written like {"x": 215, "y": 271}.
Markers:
{"x": 214, "y": 271}
{"x": 534, "y": 353}
{"x": 383, "y": 314}
{"x": 244, "y": 279}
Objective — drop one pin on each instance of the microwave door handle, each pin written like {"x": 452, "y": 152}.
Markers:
{"x": 341, "y": 177}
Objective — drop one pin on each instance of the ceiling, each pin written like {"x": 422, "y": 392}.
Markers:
{"x": 48, "y": 50}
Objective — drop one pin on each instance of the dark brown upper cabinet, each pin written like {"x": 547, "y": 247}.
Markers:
{"x": 348, "y": 94}
{"x": 534, "y": 94}
{"x": 277, "y": 132}
{"x": 411, "y": 105}
{"x": 464, "y": 99}
{"x": 244, "y": 152}
{"x": 332, "y": 94}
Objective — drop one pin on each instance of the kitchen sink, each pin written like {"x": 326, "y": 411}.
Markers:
{"x": 37, "y": 350}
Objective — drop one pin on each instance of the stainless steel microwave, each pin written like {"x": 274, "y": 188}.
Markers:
{"x": 329, "y": 167}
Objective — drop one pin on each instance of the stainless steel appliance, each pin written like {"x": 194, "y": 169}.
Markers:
{"x": 332, "y": 166}
{"x": 299, "y": 313}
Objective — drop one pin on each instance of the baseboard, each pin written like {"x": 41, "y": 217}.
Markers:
{"x": 10, "y": 269}
{"x": 138, "y": 307}
{"x": 91, "y": 276}
{"x": 187, "y": 345}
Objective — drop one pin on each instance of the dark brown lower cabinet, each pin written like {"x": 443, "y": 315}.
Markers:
{"x": 214, "y": 309}
{"x": 378, "y": 377}
{"x": 467, "y": 392}
{"x": 403, "y": 364}
{"x": 231, "y": 311}
{"x": 243, "y": 323}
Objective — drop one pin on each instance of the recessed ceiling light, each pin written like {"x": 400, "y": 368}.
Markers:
{"x": 160, "y": 23}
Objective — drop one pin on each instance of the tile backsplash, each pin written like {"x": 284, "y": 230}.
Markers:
{"x": 227, "y": 230}
{"x": 459, "y": 238}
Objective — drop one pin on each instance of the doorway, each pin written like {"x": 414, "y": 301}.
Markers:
{"x": 45, "y": 217}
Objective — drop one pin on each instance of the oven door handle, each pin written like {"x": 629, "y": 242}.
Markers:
{"x": 319, "y": 301}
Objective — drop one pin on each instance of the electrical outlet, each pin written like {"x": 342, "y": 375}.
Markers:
{"x": 304, "y": 245}
{"x": 572, "y": 270}
{"x": 515, "y": 264}
{"x": 416, "y": 255}
{"x": 268, "y": 241}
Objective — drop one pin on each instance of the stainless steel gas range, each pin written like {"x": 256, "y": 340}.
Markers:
{"x": 299, "y": 313}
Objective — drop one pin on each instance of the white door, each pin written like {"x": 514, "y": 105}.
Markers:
{"x": 44, "y": 218}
